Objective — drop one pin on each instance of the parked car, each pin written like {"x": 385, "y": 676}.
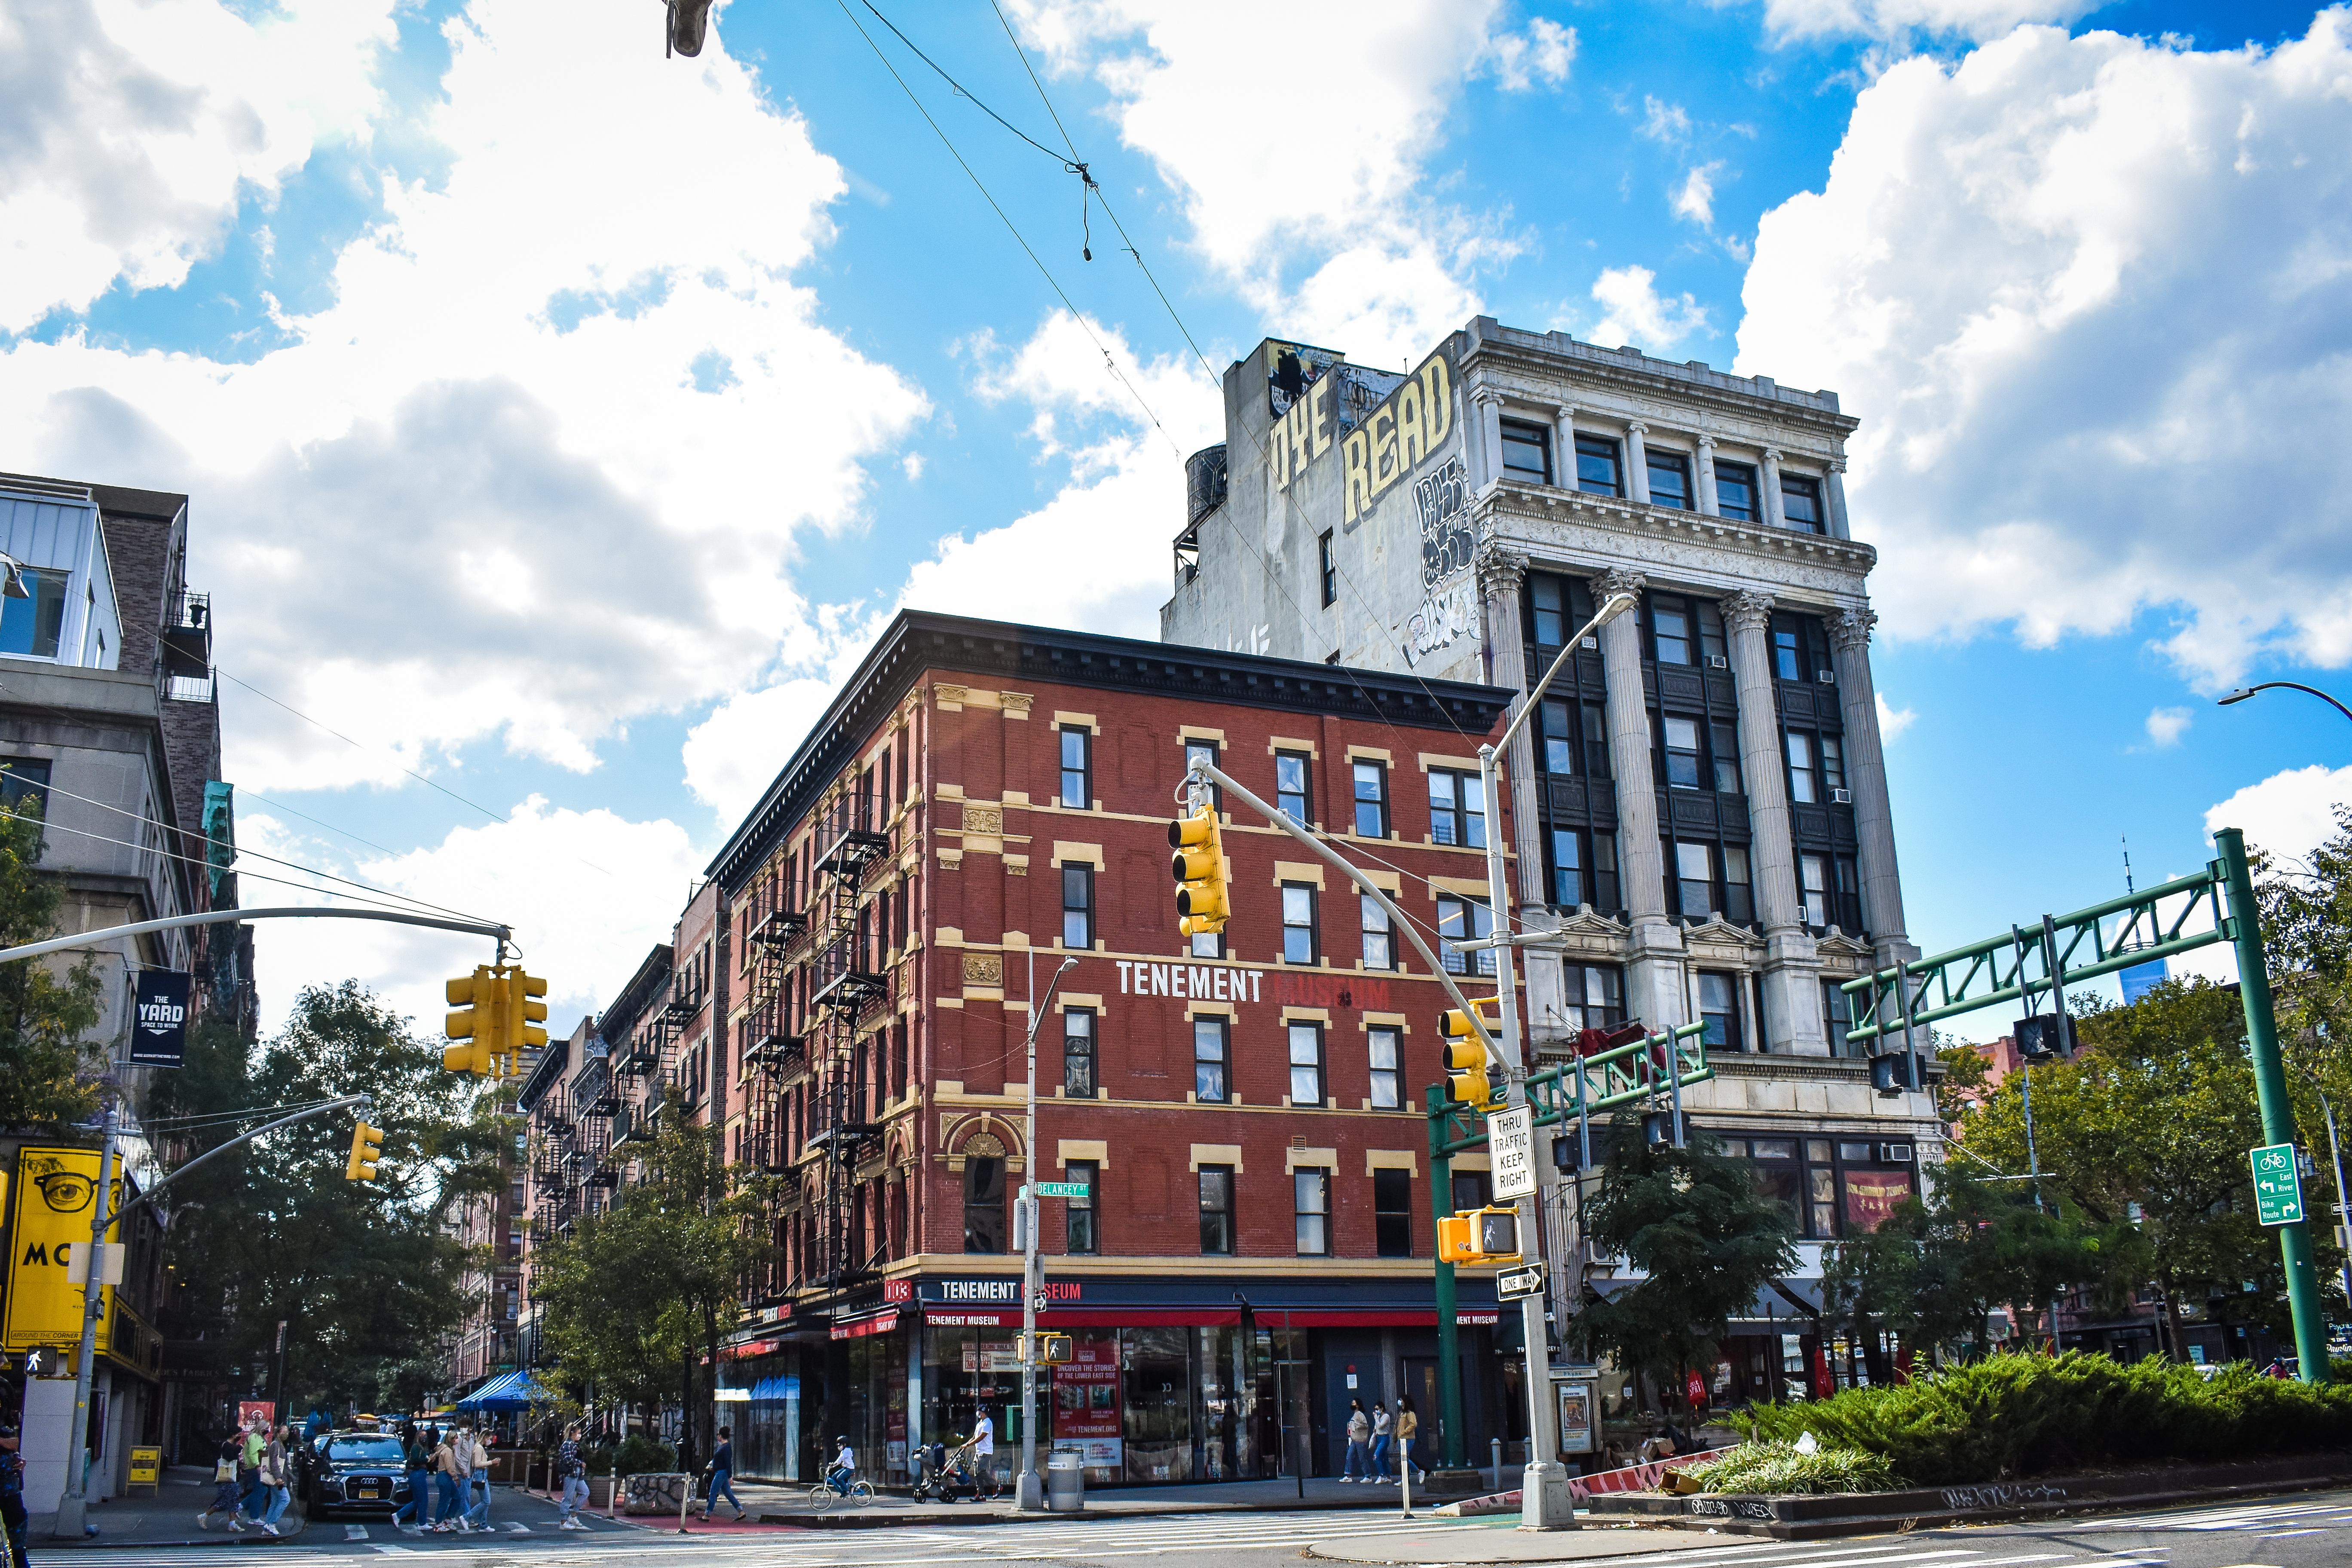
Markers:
{"x": 354, "y": 1472}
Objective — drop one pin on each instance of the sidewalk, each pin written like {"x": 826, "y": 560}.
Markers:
{"x": 1505, "y": 1542}
{"x": 165, "y": 1517}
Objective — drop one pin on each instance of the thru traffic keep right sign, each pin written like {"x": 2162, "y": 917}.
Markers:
{"x": 2278, "y": 1186}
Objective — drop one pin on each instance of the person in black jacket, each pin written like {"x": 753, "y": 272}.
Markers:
{"x": 722, "y": 1473}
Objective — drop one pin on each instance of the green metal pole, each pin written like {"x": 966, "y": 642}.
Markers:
{"x": 1449, "y": 1359}
{"x": 2270, "y": 1091}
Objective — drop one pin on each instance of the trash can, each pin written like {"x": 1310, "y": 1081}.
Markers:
{"x": 1065, "y": 1482}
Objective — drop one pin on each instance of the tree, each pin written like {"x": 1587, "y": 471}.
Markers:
{"x": 48, "y": 1071}
{"x": 1692, "y": 1221}
{"x": 365, "y": 1275}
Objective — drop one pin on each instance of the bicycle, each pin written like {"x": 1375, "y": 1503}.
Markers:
{"x": 822, "y": 1496}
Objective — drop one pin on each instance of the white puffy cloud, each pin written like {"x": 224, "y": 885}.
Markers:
{"x": 540, "y": 464}
{"x": 1893, "y": 18}
{"x": 587, "y": 893}
{"x": 1545, "y": 53}
{"x": 2088, "y": 297}
{"x": 1892, "y": 721}
{"x": 130, "y": 129}
{"x": 2167, "y": 725}
{"x": 1636, "y": 313}
{"x": 1664, "y": 121}
{"x": 736, "y": 752}
{"x": 2289, "y": 814}
{"x": 1695, "y": 197}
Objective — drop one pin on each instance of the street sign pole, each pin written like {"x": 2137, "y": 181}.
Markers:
{"x": 1029, "y": 1492}
{"x": 2270, "y": 1093}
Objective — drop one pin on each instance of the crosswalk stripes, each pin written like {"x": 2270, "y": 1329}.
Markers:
{"x": 355, "y": 1532}
{"x": 2231, "y": 1517}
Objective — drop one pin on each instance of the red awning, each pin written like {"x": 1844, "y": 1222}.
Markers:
{"x": 1365, "y": 1317}
{"x": 757, "y": 1347}
{"x": 859, "y": 1327}
{"x": 1139, "y": 1318}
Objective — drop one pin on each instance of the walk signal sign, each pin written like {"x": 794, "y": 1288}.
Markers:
{"x": 367, "y": 1148}
{"x": 1053, "y": 1350}
{"x": 1482, "y": 1235}
{"x": 1203, "y": 899}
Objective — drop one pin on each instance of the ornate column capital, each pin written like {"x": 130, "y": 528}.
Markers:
{"x": 1772, "y": 455}
{"x": 1486, "y": 397}
{"x": 1837, "y": 465}
{"x": 1748, "y": 611}
{"x": 1617, "y": 580}
{"x": 1500, "y": 572}
{"x": 1564, "y": 412}
{"x": 1705, "y": 442}
{"x": 1850, "y": 630}
{"x": 1637, "y": 426}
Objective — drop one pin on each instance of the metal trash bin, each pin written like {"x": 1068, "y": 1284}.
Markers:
{"x": 1065, "y": 1482}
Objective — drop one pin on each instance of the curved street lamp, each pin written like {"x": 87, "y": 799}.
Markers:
{"x": 2243, "y": 692}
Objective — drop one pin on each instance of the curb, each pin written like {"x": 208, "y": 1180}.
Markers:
{"x": 876, "y": 1518}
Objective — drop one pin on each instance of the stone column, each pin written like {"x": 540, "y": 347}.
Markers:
{"x": 1654, "y": 989}
{"x": 1709, "y": 504}
{"x": 1490, "y": 435}
{"x": 1768, "y": 478}
{"x": 1865, "y": 775}
{"x": 1501, "y": 575}
{"x": 1637, "y": 463}
{"x": 1563, "y": 447}
{"x": 1792, "y": 1003}
{"x": 1840, "y": 527}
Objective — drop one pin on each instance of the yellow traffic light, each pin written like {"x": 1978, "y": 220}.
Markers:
{"x": 1465, "y": 1060}
{"x": 523, "y": 1016}
{"x": 1202, "y": 899}
{"x": 1479, "y": 1237}
{"x": 481, "y": 1022}
{"x": 367, "y": 1148}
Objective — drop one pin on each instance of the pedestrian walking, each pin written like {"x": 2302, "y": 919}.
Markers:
{"x": 1383, "y": 1435}
{"x": 445, "y": 1479}
{"x": 1407, "y": 1425}
{"x": 474, "y": 1460}
{"x": 224, "y": 1488}
{"x": 984, "y": 1448}
{"x": 255, "y": 1502}
{"x": 571, "y": 1470}
{"x": 1359, "y": 1464}
{"x": 276, "y": 1477}
{"x": 418, "y": 1455}
{"x": 722, "y": 1474}
{"x": 12, "y": 1492}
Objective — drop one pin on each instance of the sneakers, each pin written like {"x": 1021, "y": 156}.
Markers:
{"x": 571, "y": 1524}
{"x": 205, "y": 1520}
{"x": 740, "y": 1516}
{"x": 268, "y": 1528}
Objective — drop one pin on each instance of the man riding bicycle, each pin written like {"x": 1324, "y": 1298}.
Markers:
{"x": 845, "y": 1468}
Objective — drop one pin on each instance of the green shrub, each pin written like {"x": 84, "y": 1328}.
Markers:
{"x": 1777, "y": 1468}
{"x": 640, "y": 1455}
{"x": 2029, "y": 1415}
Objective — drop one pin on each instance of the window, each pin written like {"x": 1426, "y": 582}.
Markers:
{"x": 1457, "y": 808}
{"x": 1595, "y": 995}
{"x": 1080, "y": 1232}
{"x": 1078, "y": 787}
{"x": 1210, "y": 1045}
{"x": 1297, "y": 923}
{"x": 1326, "y": 569}
{"x": 1472, "y": 1190}
{"x": 1805, "y": 785}
{"x": 1393, "y": 1213}
{"x": 1670, "y": 629}
{"x": 1800, "y": 648}
{"x": 1372, "y": 800}
{"x": 1833, "y": 763}
{"x": 1312, "y": 1186}
{"x": 1723, "y": 746}
{"x": 1079, "y": 1053}
{"x": 1695, "y": 879}
{"x": 1596, "y": 740}
{"x": 1849, "y": 894}
{"x": 1217, "y": 1211}
{"x": 1387, "y": 1046}
{"x": 1801, "y": 503}
{"x": 1079, "y": 907}
{"x": 1735, "y": 490}
{"x": 1596, "y": 466}
{"x": 983, "y": 1202}
{"x": 1669, "y": 479}
{"x": 34, "y": 625}
{"x": 1813, "y": 875}
{"x": 1307, "y": 1064}
{"x": 1379, "y": 941}
{"x": 1550, "y": 612}
{"x": 23, "y": 785}
{"x": 1290, "y": 793}
{"x": 1787, "y": 652}
{"x": 1558, "y": 752}
{"x": 1527, "y": 452}
{"x": 1738, "y": 892}
{"x": 1465, "y": 919}
{"x": 1583, "y": 869}
{"x": 1718, "y": 1008}
{"x": 1837, "y": 1018}
{"x": 1681, "y": 744}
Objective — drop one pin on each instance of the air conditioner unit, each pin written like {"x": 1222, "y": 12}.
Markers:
{"x": 1895, "y": 1153}
{"x": 1717, "y": 661}
{"x": 1827, "y": 677}
{"x": 1842, "y": 798}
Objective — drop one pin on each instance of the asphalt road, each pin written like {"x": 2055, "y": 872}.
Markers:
{"x": 2309, "y": 1530}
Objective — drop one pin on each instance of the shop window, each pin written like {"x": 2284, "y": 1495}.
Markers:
{"x": 1372, "y": 800}
{"x": 1312, "y": 1188}
{"x": 1457, "y": 808}
{"x": 1380, "y": 938}
{"x": 1211, "y": 1042}
{"x": 1718, "y": 1008}
{"x": 1079, "y": 907}
{"x": 1465, "y": 919}
{"x": 1595, "y": 995}
{"x": 1078, "y": 1077}
{"x": 1387, "y": 1047}
{"x": 983, "y": 1202}
{"x": 1290, "y": 792}
{"x": 1297, "y": 922}
{"x": 1217, "y": 1211}
{"x": 1307, "y": 1086}
{"x": 1393, "y": 1213}
{"x": 1527, "y": 452}
{"x": 1080, "y": 1214}
{"x": 1078, "y": 783}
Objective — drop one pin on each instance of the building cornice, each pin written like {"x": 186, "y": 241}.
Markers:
{"x": 1537, "y": 367}
{"x": 1520, "y": 517}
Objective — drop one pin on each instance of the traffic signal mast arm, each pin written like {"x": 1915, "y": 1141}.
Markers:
{"x": 345, "y": 1103}
{"x": 1627, "y": 1075}
{"x": 1397, "y": 921}
{"x": 233, "y": 917}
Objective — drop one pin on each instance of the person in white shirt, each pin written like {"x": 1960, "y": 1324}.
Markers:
{"x": 983, "y": 1447}
{"x": 845, "y": 1468}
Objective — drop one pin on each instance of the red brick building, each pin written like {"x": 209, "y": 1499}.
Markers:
{"x": 980, "y": 803}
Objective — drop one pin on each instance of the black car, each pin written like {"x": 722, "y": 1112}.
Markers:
{"x": 355, "y": 1472}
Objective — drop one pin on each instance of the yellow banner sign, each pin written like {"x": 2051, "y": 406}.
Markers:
{"x": 50, "y": 1233}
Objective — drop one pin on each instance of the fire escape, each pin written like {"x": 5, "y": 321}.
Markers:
{"x": 551, "y": 1160}
{"x": 844, "y": 980}
{"x": 772, "y": 1049}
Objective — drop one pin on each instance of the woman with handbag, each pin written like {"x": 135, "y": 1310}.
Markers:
{"x": 224, "y": 1492}
{"x": 277, "y": 1469}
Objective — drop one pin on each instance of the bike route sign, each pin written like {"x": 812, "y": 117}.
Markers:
{"x": 2278, "y": 1187}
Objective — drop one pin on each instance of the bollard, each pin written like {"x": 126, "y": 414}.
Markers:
{"x": 1497, "y": 1482}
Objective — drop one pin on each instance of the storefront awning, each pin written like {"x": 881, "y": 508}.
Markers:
{"x": 510, "y": 1391}
{"x": 874, "y": 1324}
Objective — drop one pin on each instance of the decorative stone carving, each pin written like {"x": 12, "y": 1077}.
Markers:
{"x": 983, "y": 969}
{"x": 1016, "y": 704}
{"x": 1850, "y": 630}
{"x": 984, "y": 818}
{"x": 1500, "y": 573}
{"x": 949, "y": 697}
{"x": 1617, "y": 580}
{"x": 1748, "y": 611}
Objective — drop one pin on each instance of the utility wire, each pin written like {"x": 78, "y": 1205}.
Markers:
{"x": 1077, "y": 315}
{"x": 338, "y": 735}
{"x": 317, "y": 821}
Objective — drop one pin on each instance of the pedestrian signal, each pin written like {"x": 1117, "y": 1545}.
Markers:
{"x": 1482, "y": 1235}
{"x": 2045, "y": 1037}
{"x": 1054, "y": 1349}
{"x": 523, "y": 1016}
{"x": 1894, "y": 1072}
{"x": 1202, "y": 898}
{"x": 367, "y": 1148}
{"x": 480, "y": 1022}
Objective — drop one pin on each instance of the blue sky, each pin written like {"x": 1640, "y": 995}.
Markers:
{"x": 560, "y": 420}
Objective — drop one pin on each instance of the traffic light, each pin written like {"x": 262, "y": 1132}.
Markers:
{"x": 480, "y": 1021}
{"x": 1465, "y": 1061}
{"x": 1054, "y": 1349}
{"x": 1202, "y": 899}
{"x": 1658, "y": 1130}
{"x": 367, "y": 1148}
{"x": 523, "y": 1016}
{"x": 2045, "y": 1037}
{"x": 1894, "y": 1071}
{"x": 1484, "y": 1236}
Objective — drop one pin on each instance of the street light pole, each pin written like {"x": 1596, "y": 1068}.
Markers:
{"x": 1029, "y": 1492}
{"x": 2336, "y": 1153}
{"x": 73, "y": 1505}
{"x": 1545, "y": 1502}
{"x": 2243, "y": 692}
